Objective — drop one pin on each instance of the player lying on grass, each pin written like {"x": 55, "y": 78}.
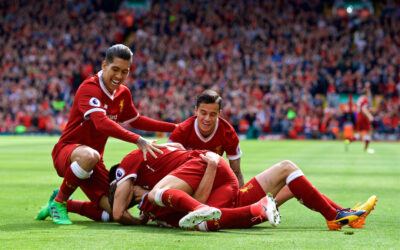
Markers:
{"x": 183, "y": 171}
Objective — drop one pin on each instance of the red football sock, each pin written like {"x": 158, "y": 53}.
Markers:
{"x": 311, "y": 197}
{"x": 366, "y": 145}
{"x": 179, "y": 200}
{"x": 68, "y": 186}
{"x": 85, "y": 208}
{"x": 332, "y": 203}
{"x": 240, "y": 217}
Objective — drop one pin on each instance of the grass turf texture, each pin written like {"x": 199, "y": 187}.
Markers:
{"x": 27, "y": 179}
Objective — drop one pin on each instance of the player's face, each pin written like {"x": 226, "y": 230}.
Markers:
{"x": 115, "y": 73}
{"x": 207, "y": 114}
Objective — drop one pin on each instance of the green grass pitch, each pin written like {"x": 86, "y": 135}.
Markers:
{"x": 27, "y": 178}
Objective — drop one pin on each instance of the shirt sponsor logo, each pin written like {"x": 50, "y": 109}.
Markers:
{"x": 94, "y": 102}
{"x": 113, "y": 117}
{"x": 119, "y": 173}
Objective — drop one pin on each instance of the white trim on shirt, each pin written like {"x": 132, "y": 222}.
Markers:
{"x": 201, "y": 137}
{"x": 103, "y": 86}
{"x": 131, "y": 120}
{"x": 87, "y": 113}
{"x": 126, "y": 177}
{"x": 234, "y": 157}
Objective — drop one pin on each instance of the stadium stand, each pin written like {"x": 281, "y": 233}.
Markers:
{"x": 283, "y": 67}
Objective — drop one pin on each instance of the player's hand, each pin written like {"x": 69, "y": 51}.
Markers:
{"x": 148, "y": 146}
{"x": 211, "y": 158}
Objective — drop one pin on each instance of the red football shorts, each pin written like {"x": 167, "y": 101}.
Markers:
{"x": 95, "y": 186}
{"x": 191, "y": 171}
{"x": 362, "y": 123}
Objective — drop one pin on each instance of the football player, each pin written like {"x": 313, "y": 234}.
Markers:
{"x": 100, "y": 104}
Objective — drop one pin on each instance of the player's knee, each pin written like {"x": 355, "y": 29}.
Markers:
{"x": 91, "y": 157}
{"x": 287, "y": 167}
{"x": 94, "y": 157}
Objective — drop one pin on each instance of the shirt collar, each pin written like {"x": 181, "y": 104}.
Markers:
{"x": 103, "y": 86}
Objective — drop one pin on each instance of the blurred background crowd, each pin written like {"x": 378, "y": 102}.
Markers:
{"x": 284, "y": 68}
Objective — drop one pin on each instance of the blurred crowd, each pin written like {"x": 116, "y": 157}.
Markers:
{"x": 280, "y": 66}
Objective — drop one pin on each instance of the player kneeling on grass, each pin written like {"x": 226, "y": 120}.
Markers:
{"x": 169, "y": 199}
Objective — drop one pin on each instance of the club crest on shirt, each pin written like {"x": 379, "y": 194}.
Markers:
{"x": 218, "y": 149}
{"x": 119, "y": 173}
{"x": 94, "y": 102}
{"x": 121, "y": 105}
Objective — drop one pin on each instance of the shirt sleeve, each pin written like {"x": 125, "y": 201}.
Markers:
{"x": 148, "y": 124}
{"x": 129, "y": 167}
{"x": 88, "y": 99}
{"x": 177, "y": 135}
{"x": 111, "y": 128}
{"x": 232, "y": 147}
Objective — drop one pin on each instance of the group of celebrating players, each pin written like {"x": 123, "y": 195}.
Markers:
{"x": 183, "y": 183}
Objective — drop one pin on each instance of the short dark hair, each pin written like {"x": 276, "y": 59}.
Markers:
{"x": 209, "y": 96}
{"x": 111, "y": 173}
{"x": 113, "y": 187}
{"x": 120, "y": 51}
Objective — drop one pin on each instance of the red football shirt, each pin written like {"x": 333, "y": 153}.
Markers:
{"x": 362, "y": 102}
{"x": 93, "y": 96}
{"x": 223, "y": 138}
{"x": 148, "y": 173}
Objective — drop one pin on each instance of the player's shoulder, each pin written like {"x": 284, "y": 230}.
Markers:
{"x": 225, "y": 125}
{"x": 132, "y": 157}
{"x": 123, "y": 92}
{"x": 188, "y": 123}
{"x": 91, "y": 83}
{"x": 92, "y": 80}
{"x": 124, "y": 89}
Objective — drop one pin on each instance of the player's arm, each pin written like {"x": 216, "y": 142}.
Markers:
{"x": 122, "y": 199}
{"x": 132, "y": 117}
{"x": 204, "y": 189}
{"x": 108, "y": 127}
{"x": 148, "y": 124}
{"x": 235, "y": 166}
{"x": 368, "y": 114}
{"x": 113, "y": 129}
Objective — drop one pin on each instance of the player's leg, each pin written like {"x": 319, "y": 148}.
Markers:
{"x": 313, "y": 199}
{"x": 88, "y": 209}
{"x": 96, "y": 188}
{"x": 287, "y": 173}
{"x": 367, "y": 140}
{"x": 75, "y": 164}
{"x": 285, "y": 194}
{"x": 173, "y": 193}
{"x": 83, "y": 160}
{"x": 246, "y": 216}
